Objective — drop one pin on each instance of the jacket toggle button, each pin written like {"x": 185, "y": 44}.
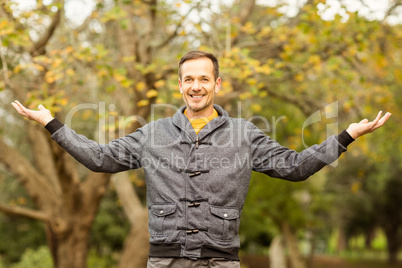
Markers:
{"x": 193, "y": 204}
{"x": 195, "y": 174}
{"x": 192, "y": 231}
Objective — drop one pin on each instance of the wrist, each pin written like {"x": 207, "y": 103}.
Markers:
{"x": 46, "y": 120}
{"x": 352, "y": 133}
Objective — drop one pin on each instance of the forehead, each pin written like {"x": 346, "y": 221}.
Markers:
{"x": 198, "y": 67}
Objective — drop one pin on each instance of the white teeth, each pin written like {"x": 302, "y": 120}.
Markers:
{"x": 197, "y": 97}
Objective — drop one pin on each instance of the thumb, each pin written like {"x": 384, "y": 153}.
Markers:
{"x": 364, "y": 121}
{"x": 41, "y": 107}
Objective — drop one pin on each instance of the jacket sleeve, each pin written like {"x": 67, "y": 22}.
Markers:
{"x": 118, "y": 155}
{"x": 269, "y": 157}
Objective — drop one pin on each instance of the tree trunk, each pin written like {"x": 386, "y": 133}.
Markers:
{"x": 342, "y": 242}
{"x": 277, "y": 253}
{"x": 136, "y": 246}
{"x": 296, "y": 260}
{"x": 70, "y": 228}
{"x": 72, "y": 247}
{"x": 393, "y": 244}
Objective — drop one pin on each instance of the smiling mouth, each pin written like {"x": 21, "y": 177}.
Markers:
{"x": 196, "y": 96}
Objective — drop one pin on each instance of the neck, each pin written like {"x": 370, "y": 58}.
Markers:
{"x": 204, "y": 113}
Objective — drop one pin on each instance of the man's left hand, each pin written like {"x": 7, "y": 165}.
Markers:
{"x": 356, "y": 130}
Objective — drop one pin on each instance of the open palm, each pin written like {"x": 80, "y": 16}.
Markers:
{"x": 42, "y": 116}
{"x": 356, "y": 130}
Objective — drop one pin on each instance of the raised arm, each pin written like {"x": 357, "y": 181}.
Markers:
{"x": 118, "y": 155}
{"x": 271, "y": 158}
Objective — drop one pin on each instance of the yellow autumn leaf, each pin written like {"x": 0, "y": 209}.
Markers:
{"x": 102, "y": 72}
{"x": 142, "y": 103}
{"x": 68, "y": 49}
{"x": 70, "y": 72}
{"x": 129, "y": 59}
{"x": 118, "y": 77}
{"x": 355, "y": 187}
{"x": 256, "y": 108}
{"x": 38, "y": 67}
{"x": 177, "y": 95}
{"x": 159, "y": 83}
{"x": 245, "y": 95}
{"x": 236, "y": 19}
{"x": 299, "y": 77}
{"x": 140, "y": 86}
{"x": 87, "y": 114}
{"x": 21, "y": 201}
{"x": 314, "y": 59}
{"x": 62, "y": 102}
{"x": 18, "y": 68}
{"x": 50, "y": 77}
{"x": 152, "y": 93}
{"x": 126, "y": 83}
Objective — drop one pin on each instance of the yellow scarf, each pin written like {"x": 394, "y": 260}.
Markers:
{"x": 199, "y": 123}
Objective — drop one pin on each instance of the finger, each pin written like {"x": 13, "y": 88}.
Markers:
{"x": 384, "y": 119}
{"x": 22, "y": 107}
{"x": 19, "y": 110}
{"x": 16, "y": 106}
{"x": 377, "y": 118}
{"x": 25, "y": 110}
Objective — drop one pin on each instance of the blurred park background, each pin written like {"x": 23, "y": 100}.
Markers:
{"x": 96, "y": 63}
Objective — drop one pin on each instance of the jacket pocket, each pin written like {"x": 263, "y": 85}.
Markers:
{"x": 161, "y": 219}
{"x": 224, "y": 222}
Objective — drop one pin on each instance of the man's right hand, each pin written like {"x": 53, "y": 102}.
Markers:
{"x": 43, "y": 116}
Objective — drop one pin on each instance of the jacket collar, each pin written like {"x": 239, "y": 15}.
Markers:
{"x": 181, "y": 121}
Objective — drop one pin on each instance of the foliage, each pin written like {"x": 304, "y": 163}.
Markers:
{"x": 39, "y": 258}
{"x": 17, "y": 234}
{"x": 109, "y": 232}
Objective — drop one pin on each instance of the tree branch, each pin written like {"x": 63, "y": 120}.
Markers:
{"x": 306, "y": 106}
{"x": 6, "y": 13}
{"x": 392, "y": 8}
{"x": 92, "y": 190}
{"x": 40, "y": 191}
{"x": 296, "y": 19}
{"x": 39, "y": 48}
{"x": 24, "y": 212}
{"x": 174, "y": 34}
{"x": 5, "y": 67}
{"x": 131, "y": 203}
{"x": 245, "y": 13}
{"x": 43, "y": 155}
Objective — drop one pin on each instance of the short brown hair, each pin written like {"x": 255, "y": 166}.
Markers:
{"x": 196, "y": 54}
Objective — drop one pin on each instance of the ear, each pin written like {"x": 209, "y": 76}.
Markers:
{"x": 218, "y": 85}
{"x": 180, "y": 86}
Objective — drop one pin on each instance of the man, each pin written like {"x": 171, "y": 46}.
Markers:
{"x": 198, "y": 165}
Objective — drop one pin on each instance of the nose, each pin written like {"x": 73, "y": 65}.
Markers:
{"x": 196, "y": 85}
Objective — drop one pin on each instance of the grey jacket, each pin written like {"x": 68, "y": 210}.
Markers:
{"x": 197, "y": 184}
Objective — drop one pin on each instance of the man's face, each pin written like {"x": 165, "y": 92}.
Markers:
{"x": 198, "y": 86}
